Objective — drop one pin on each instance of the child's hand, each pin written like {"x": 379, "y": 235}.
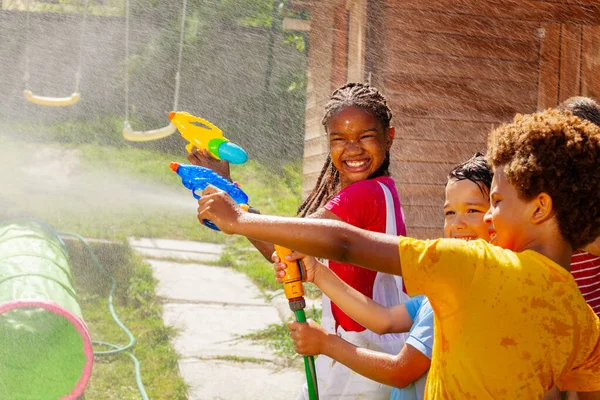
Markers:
{"x": 218, "y": 207}
{"x": 204, "y": 159}
{"x": 310, "y": 265}
{"x": 309, "y": 337}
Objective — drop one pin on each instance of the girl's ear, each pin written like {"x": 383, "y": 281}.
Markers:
{"x": 391, "y": 132}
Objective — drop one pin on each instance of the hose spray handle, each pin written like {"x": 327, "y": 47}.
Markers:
{"x": 294, "y": 273}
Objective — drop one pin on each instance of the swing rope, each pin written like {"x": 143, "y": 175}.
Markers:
{"x": 46, "y": 100}
{"x": 142, "y": 136}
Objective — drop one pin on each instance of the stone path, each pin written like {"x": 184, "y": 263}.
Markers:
{"x": 211, "y": 305}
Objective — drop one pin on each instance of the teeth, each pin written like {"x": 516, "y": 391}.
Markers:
{"x": 355, "y": 163}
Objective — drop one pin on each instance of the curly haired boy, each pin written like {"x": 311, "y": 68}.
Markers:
{"x": 510, "y": 320}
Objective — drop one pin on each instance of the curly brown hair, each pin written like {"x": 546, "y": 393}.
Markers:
{"x": 556, "y": 153}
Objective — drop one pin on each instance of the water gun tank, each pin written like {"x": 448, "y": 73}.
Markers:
{"x": 45, "y": 348}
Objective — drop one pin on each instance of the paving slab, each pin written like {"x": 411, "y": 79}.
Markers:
{"x": 211, "y": 307}
{"x": 177, "y": 255}
{"x": 178, "y": 245}
{"x": 203, "y": 283}
{"x": 212, "y": 330}
{"x": 224, "y": 380}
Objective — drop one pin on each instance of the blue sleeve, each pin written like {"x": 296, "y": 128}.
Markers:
{"x": 421, "y": 333}
{"x": 413, "y": 305}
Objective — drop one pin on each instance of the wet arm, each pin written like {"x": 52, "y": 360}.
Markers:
{"x": 394, "y": 370}
{"x": 267, "y": 249}
{"x": 333, "y": 240}
{"x": 361, "y": 308}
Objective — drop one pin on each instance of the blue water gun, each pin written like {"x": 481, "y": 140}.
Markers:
{"x": 196, "y": 178}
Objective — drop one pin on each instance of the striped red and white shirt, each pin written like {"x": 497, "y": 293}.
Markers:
{"x": 585, "y": 267}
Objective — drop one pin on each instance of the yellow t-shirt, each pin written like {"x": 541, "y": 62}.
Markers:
{"x": 507, "y": 325}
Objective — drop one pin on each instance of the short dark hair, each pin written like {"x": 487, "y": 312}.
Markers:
{"x": 583, "y": 107}
{"x": 477, "y": 170}
{"x": 557, "y": 153}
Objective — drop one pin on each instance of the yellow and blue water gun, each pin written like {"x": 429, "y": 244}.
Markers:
{"x": 201, "y": 134}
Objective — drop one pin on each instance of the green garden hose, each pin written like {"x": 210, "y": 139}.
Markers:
{"x": 115, "y": 348}
{"x": 309, "y": 364}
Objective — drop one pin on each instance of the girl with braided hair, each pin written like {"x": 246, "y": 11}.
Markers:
{"x": 355, "y": 187}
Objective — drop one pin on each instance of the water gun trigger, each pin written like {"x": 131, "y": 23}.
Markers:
{"x": 196, "y": 196}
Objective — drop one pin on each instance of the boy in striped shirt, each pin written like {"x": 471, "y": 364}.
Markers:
{"x": 585, "y": 267}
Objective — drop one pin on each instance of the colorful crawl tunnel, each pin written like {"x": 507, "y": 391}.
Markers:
{"x": 45, "y": 348}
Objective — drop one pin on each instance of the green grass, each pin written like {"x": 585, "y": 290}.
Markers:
{"x": 277, "y": 336}
{"x": 137, "y": 307}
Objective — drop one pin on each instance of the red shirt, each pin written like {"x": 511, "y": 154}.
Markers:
{"x": 585, "y": 267}
{"x": 362, "y": 204}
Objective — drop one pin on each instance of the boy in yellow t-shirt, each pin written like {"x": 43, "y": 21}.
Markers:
{"x": 510, "y": 320}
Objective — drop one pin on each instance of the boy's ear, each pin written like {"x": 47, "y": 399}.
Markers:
{"x": 542, "y": 208}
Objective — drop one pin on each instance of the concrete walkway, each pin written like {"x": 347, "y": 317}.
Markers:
{"x": 211, "y": 306}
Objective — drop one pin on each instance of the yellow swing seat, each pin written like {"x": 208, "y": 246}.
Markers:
{"x": 144, "y": 136}
{"x": 51, "y": 101}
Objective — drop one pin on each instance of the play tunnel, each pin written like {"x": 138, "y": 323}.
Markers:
{"x": 45, "y": 348}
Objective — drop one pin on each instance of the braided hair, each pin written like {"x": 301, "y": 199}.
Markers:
{"x": 359, "y": 95}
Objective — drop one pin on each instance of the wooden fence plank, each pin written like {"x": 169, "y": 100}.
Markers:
{"x": 529, "y": 10}
{"x": 450, "y": 88}
{"x": 419, "y": 173}
{"x": 570, "y": 61}
{"x": 440, "y": 130}
{"x": 549, "y": 66}
{"x": 424, "y": 233}
{"x": 423, "y": 216}
{"x": 422, "y": 195}
{"x": 459, "y": 110}
{"x": 435, "y": 152}
{"x": 461, "y": 46}
{"x": 477, "y": 26}
{"x": 460, "y": 67}
{"x": 590, "y": 66}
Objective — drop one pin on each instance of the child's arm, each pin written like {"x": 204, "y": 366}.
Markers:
{"x": 356, "y": 305}
{"x": 395, "y": 370}
{"x": 204, "y": 159}
{"x": 333, "y": 240}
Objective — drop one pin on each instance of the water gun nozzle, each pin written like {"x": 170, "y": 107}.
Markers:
{"x": 174, "y": 166}
{"x": 171, "y": 115}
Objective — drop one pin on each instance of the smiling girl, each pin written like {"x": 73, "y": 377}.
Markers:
{"x": 354, "y": 186}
